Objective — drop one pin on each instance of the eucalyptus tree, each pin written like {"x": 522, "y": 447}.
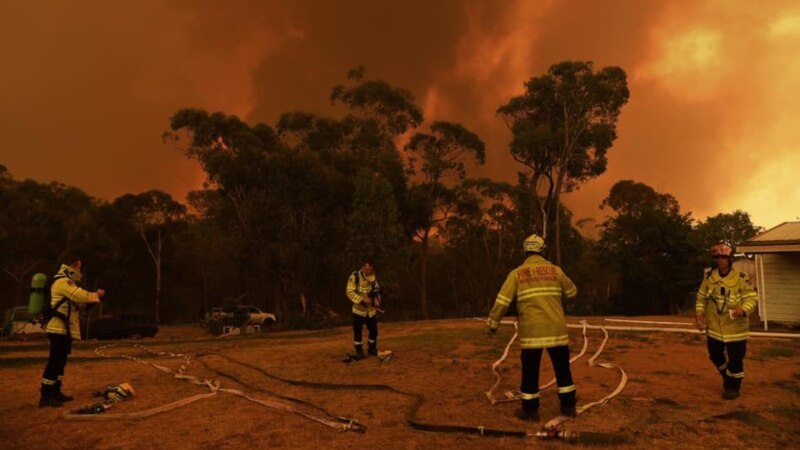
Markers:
{"x": 562, "y": 128}
{"x": 440, "y": 158}
{"x": 153, "y": 214}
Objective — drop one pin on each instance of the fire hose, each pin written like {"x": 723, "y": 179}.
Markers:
{"x": 331, "y": 420}
{"x": 214, "y": 386}
{"x": 516, "y": 395}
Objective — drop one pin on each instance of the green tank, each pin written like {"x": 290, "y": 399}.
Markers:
{"x": 36, "y": 299}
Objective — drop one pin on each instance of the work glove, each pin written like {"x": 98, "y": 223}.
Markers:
{"x": 700, "y": 319}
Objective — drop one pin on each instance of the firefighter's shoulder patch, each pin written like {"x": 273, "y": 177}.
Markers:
{"x": 70, "y": 283}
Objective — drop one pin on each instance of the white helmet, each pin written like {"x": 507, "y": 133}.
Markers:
{"x": 722, "y": 249}
{"x": 533, "y": 243}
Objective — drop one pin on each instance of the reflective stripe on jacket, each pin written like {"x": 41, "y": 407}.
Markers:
{"x": 64, "y": 287}
{"x": 357, "y": 292}
{"x": 538, "y": 286}
{"x": 717, "y": 296}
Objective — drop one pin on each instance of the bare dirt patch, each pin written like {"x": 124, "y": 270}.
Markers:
{"x": 672, "y": 400}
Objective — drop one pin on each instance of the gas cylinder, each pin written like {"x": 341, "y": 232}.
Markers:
{"x": 37, "y": 296}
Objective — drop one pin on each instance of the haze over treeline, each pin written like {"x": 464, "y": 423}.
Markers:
{"x": 85, "y": 86}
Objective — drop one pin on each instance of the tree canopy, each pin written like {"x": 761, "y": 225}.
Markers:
{"x": 562, "y": 128}
{"x": 288, "y": 210}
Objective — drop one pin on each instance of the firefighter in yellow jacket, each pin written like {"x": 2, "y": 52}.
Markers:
{"x": 724, "y": 301}
{"x": 538, "y": 286}
{"x": 363, "y": 290}
{"x": 63, "y": 327}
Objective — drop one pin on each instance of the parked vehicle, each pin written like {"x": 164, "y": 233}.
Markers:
{"x": 239, "y": 315}
{"x": 258, "y": 317}
{"x": 19, "y": 321}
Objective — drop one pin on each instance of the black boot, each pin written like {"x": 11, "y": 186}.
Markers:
{"x": 568, "y": 401}
{"x": 373, "y": 349}
{"x": 730, "y": 394}
{"x": 730, "y": 388}
{"x": 529, "y": 411}
{"x": 569, "y": 411}
{"x": 63, "y": 398}
{"x": 48, "y": 397}
{"x": 359, "y": 352}
{"x": 528, "y": 415}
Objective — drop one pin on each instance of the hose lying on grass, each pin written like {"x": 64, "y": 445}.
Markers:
{"x": 335, "y": 422}
{"x": 326, "y": 417}
{"x": 557, "y": 421}
{"x": 331, "y": 420}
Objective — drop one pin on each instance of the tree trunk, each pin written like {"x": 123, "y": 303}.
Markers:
{"x": 558, "y": 233}
{"x": 205, "y": 293}
{"x": 423, "y": 291}
{"x": 158, "y": 279}
{"x": 539, "y": 216}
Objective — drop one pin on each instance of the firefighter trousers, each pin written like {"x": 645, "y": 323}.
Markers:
{"x": 358, "y": 328}
{"x": 60, "y": 348}
{"x": 531, "y": 360}
{"x": 731, "y": 367}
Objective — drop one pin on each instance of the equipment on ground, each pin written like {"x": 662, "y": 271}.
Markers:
{"x": 566, "y": 435}
{"x": 116, "y": 393}
{"x": 112, "y": 394}
{"x": 94, "y": 408}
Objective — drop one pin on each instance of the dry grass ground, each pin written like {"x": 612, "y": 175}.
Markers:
{"x": 672, "y": 399}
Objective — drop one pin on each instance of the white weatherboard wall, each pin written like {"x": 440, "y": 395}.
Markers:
{"x": 780, "y": 286}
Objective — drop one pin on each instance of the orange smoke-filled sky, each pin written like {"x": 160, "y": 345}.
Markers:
{"x": 87, "y": 88}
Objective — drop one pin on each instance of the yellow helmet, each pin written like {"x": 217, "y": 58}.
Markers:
{"x": 119, "y": 392}
{"x": 533, "y": 243}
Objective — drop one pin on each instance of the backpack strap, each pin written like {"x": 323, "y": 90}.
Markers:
{"x": 58, "y": 314}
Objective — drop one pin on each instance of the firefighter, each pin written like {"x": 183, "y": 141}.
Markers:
{"x": 538, "y": 286}
{"x": 363, "y": 290}
{"x": 64, "y": 327}
{"x": 724, "y": 301}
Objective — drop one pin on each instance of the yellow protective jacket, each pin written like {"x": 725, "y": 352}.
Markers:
{"x": 538, "y": 286}
{"x": 65, "y": 287}
{"x": 718, "y": 295}
{"x": 358, "y": 287}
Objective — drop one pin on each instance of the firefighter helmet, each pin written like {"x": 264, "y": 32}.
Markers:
{"x": 118, "y": 393}
{"x": 533, "y": 243}
{"x": 723, "y": 250}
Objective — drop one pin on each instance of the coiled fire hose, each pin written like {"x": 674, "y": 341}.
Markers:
{"x": 515, "y": 395}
